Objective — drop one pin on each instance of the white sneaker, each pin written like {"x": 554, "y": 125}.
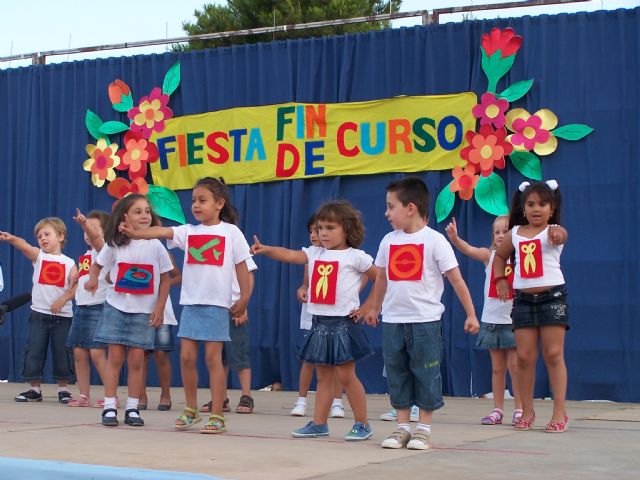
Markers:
{"x": 420, "y": 440}
{"x": 299, "y": 409}
{"x": 414, "y": 415}
{"x": 337, "y": 411}
{"x": 390, "y": 416}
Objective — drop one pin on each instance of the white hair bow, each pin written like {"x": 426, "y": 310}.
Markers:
{"x": 552, "y": 184}
{"x": 523, "y": 185}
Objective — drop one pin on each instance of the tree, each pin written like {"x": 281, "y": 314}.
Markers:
{"x": 247, "y": 14}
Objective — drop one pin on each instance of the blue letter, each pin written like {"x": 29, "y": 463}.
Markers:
{"x": 255, "y": 143}
{"x": 310, "y": 158}
{"x": 365, "y": 137}
{"x": 163, "y": 150}
{"x": 442, "y": 137}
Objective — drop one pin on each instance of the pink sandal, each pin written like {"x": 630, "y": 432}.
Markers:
{"x": 557, "y": 427}
{"x": 517, "y": 415}
{"x": 494, "y": 418}
{"x": 522, "y": 425}
{"x": 82, "y": 401}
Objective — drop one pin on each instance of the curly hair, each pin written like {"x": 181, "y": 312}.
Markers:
{"x": 342, "y": 212}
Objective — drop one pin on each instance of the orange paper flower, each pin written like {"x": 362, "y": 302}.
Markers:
{"x": 117, "y": 89}
{"x": 101, "y": 162}
{"x": 486, "y": 149}
{"x": 464, "y": 181}
{"x": 121, "y": 187}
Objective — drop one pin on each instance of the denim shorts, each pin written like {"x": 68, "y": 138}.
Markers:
{"x": 334, "y": 341}
{"x": 163, "y": 341}
{"x": 122, "y": 328}
{"x": 496, "y": 336}
{"x": 412, "y": 358}
{"x": 235, "y": 353}
{"x": 541, "y": 309}
{"x": 208, "y": 323}
{"x": 45, "y": 329}
{"x": 83, "y": 327}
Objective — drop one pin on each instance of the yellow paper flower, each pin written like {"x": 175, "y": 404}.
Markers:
{"x": 101, "y": 162}
{"x": 532, "y": 132}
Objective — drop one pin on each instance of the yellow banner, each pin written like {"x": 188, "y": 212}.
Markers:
{"x": 297, "y": 140}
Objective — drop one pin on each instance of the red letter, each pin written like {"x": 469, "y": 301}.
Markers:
{"x": 399, "y": 132}
{"x": 340, "y": 140}
{"x": 283, "y": 148}
{"x": 223, "y": 154}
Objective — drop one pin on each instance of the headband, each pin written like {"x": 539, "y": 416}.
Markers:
{"x": 552, "y": 184}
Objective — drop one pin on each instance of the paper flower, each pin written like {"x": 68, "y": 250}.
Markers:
{"x": 135, "y": 155}
{"x": 121, "y": 187}
{"x": 117, "y": 90}
{"x": 101, "y": 162}
{"x": 504, "y": 40}
{"x": 151, "y": 113}
{"x": 532, "y": 132}
{"x": 486, "y": 149}
{"x": 491, "y": 110}
{"x": 464, "y": 181}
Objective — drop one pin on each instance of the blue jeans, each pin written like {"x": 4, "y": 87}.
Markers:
{"x": 45, "y": 329}
{"x": 412, "y": 356}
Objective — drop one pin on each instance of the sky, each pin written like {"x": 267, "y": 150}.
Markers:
{"x": 29, "y": 26}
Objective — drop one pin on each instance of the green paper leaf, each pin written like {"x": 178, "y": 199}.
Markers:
{"x": 171, "y": 79}
{"x": 573, "y": 131}
{"x": 516, "y": 90}
{"x": 93, "y": 123}
{"x": 491, "y": 195}
{"x": 495, "y": 67}
{"x": 165, "y": 203}
{"x": 444, "y": 202}
{"x": 109, "y": 128}
{"x": 527, "y": 163}
{"x": 126, "y": 103}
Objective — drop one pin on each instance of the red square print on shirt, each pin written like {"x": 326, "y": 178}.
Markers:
{"x": 84, "y": 264}
{"x": 530, "y": 258}
{"x": 508, "y": 272}
{"x": 52, "y": 273}
{"x": 134, "y": 278}
{"x": 205, "y": 249}
{"x": 324, "y": 280}
{"x": 406, "y": 262}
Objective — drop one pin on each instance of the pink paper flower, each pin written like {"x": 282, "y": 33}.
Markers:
{"x": 486, "y": 149}
{"x": 464, "y": 181}
{"x": 491, "y": 110}
{"x": 137, "y": 153}
{"x": 101, "y": 162}
{"x": 151, "y": 113}
{"x": 121, "y": 187}
{"x": 504, "y": 40}
{"x": 532, "y": 132}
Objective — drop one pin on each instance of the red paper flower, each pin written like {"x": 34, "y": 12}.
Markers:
{"x": 464, "y": 181}
{"x": 486, "y": 149}
{"x": 151, "y": 113}
{"x": 118, "y": 89}
{"x": 491, "y": 110}
{"x": 101, "y": 162}
{"x": 121, "y": 187}
{"x": 137, "y": 153}
{"x": 506, "y": 41}
{"x": 532, "y": 132}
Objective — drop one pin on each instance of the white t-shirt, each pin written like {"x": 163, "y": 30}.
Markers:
{"x": 83, "y": 297}
{"x": 335, "y": 277}
{"x": 537, "y": 261}
{"x": 169, "y": 314}
{"x": 1, "y": 279}
{"x": 50, "y": 281}
{"x": 306, "y": 319}
{"x": 495, "y": 310}
{"x": 235, "y": 288}
{"x": 414, "y": 263}
{"x": 211, "y": 254}
{"x": 135, "y": 271}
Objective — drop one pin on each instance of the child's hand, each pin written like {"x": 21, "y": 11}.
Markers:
{"x": 301, "y": 295}
{"x": 238, "y": 308}
{"x": 557, "y": 235}
{"x": 471, "y": 325}
{"x": 56, "y": 307}
{"x": 257, "y": 248}
{"x": 503, "y": 289}
{"x": 156, "y": 318}
{"x": 79, "y": 217}
{"x": 7, "y": 237}
{"x": 452, "y": 229}
{"x": 371, "y": 318}
{"x": 242, "y": 319}
{"x": 91, "y": 285}
{"x": 126, "y": 228}
{"x": 356, "y": 314}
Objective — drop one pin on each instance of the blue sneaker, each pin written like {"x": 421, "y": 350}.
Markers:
{"x": 311, "y": 430}
{"x": 358, "y": 432}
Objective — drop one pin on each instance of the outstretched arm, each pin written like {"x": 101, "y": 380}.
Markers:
{"x": 278, "y": 253}
{"x": 22, "y": 245}
{"x": 477, "y": 253}
{"x": 558, "y": 235}
{"x": 146, "y": 233}
{"x": 93, "y": 232}
{"x": 471, "y": 324}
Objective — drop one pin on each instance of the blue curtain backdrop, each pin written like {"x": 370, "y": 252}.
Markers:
{"x": 586, "y": 70}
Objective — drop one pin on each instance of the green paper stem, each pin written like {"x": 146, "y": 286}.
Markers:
{"x": 573, "y": 132}
{"x": 490, "y": 194}
{"x": 110, "y": 128}
{"x": 171, "y": 79}
{"x": 495, "y": 67}
{"x": 126, "y": 103}
{"x": 516, "y": 90}
{"x": 164, "y": 202}
{"x": 527, "y": 163}
{"x": 444, "y": 203}
{"x": 93, "y": 123}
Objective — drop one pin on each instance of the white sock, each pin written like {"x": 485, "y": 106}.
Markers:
{"x": 109, "y": 402}
{"x": 132, "y": 404}
{"x": 404, "y": 426}
{"x": 35, "y": 389}
{"x": 337, "y": 401}
{"x": 424, "y": 427}
{"x": 63, "y": 389}
{"x": 302, "y": 400}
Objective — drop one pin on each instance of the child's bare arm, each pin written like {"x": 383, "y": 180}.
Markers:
{"x": 558, "y": 235}
{"x": 93, "y": 232}
{"x": 477, "y": 253}
{"x": 499, "y": 262}
{"x": 175, "y": 275}
{"x": 161, "y": 233}
{"x": 278, "y": 253}
{"x": 69, "y": 294}
{"x": 301, "y": 293}
{"x": 379, "y": 290}
{"x": 91, "y": 285}
{"x": 21, "y": 244}
{"x": 365, "y": 307}
{"x": 471, "y": 324}
{"x": 157, "y": 316}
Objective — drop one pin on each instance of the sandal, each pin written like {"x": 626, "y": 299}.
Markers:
{"x": 557, "y": 427}
{"x": 522, "y": 425}
{"x": 494, "y": 418}
{"x": 82, "y": 401}
{"x": 110, "y": 421}
{"x": 206, "y": 408}
{"x": 245, "y": 405}
{"x": 216, "y": 424}
{"x": 136, "y": 421}
{"x": 189, "y": 418}
{"x": 517, "y": 415}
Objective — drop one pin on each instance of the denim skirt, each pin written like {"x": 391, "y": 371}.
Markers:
{"x": 83, "y": 327}
{"x": 207, "y": 323}
{"x": 163, "y": 341}
{"x": 541, "y": 309}
{"x": 496, "y": 336}
{"x": 334, "y": 341}
{"x": 122, "y": 328}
